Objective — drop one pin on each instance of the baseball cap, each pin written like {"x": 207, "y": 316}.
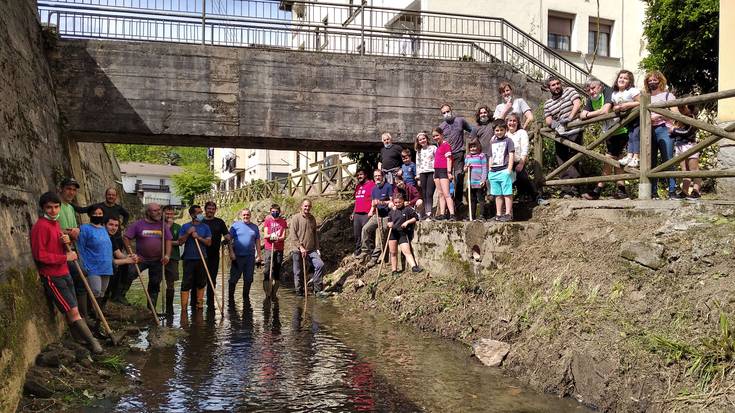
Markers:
{"x": 68, "y": 182}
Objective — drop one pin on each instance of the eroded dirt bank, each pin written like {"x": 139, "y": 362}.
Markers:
{"x": 624, "y": 306}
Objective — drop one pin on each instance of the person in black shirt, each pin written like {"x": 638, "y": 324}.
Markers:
{"x": 390, "y": 161}
{"x": 110, "y": 207}
{"x": 219, "y": 230}
{"x": 119, "y": 282}
{"x": 401, "y": 221}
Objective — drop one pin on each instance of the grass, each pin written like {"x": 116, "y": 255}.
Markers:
{"x": 113, "y": 363}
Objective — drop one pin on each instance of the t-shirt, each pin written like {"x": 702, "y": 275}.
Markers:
{"x": 478, "y": 168}
{"x": 519, "y": 107}
{"x": 95, "y": 250}
{"x": 390, "y": 158}
{"x": 624, "y": 96}
{"x": 218, "y": 228}
{"x": 147, "y": 236}
{"x": 409, "y": 173}
{"x": 363, "y": 202}
{"x": 484, "y": 134}
{"x": 244, "y": 237}
{"x": 175, "y": 250}
{"x": 454, "y": 133}
{"x": 399, "y": 216}
{"x": 382, "y": 193}
{"x": 520, "y": 143}
{"x": 114, "y": 211}
{"x": 274, "y": 225}
{"x": 656, "y": 119}
{"x": 440, "y": 157}
{"x": 190, "y": 248}
{"x": 425, "y": 159}
{"x": 561, "y": 107}
{"x": 500, "y": 149}
{"x": 597, "y": 103}
{"x": 67, "y": 216}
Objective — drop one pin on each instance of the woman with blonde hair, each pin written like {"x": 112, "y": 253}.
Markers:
{"x": 655, "y": 85}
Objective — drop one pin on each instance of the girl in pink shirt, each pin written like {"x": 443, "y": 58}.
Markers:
{"x": 442, "y": 176}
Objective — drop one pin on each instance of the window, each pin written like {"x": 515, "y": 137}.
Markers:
{"x": 599, "y": 37}
{"x": 560, "y": 31}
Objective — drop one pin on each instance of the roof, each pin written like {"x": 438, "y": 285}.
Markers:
{"x": 141, "y": 168}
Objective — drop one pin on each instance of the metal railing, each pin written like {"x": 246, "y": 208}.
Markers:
{"x": 312, "y": 26}
{"x": 646, "y": 171}
{"x": 336, "y": 180}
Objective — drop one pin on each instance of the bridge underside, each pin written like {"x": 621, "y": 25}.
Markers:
{"x": 192, "y": 95}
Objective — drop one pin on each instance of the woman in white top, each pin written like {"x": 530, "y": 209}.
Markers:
{"x": 425, "y": 170}
{"x": 510, "y": 105}
{"x": 626, "y": 96}
{"x": 521, "y": 143}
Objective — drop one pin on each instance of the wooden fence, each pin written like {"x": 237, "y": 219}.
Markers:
{"x": 335, "y": 180}
{"x": 645, "y": 171}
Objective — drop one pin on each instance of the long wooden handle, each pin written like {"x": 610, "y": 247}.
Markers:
{"x": 306, "y": 287}
{"x": 469, "y": 190}
{"x": 385, "y": 249}
{"x": 145, "y": 290}
{"x": 209, "y": 276}
{"x": 95, "y": 305}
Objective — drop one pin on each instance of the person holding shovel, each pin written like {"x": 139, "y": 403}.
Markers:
{"x": 305, "y": 241}
{"x": 95, "y": 250}
{"x": 47, "y": 246}
{"x": 154, "y": 254}
{"x": 244, "y": 249}
{"x": 401, "y": 222}
{"x": 172, "y": 268}
{"x": 195, "y": 274}
{"x": 275, "y": 228}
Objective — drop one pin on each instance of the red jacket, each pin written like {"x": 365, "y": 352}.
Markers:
{"x": 410, "y": 194}
{"x": 47, "y": 248}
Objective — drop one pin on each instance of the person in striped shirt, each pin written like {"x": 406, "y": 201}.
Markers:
{"x": 476, "y": 167}
{"x": 562, "y": 108}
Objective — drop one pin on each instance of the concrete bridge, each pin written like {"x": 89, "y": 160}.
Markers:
{"x": 194, "y": 95}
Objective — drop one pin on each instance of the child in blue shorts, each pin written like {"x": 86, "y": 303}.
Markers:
{"x": 501, "y": 171}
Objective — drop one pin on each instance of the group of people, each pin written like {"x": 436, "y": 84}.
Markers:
{"x": 101, "y": 254}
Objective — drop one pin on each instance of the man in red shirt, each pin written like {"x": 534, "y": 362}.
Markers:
{"x": 51, "y": 256}
{"x": 363, "y": 203}
{"x": 274, "y": 228}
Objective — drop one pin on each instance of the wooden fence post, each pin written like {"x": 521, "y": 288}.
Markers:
{"x": 538, "y": 157}
{"x": 644, "y": 183}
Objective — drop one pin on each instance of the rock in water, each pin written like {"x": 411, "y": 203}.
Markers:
{"x": 490, "y": 352}
{"x": 165, "y": 337}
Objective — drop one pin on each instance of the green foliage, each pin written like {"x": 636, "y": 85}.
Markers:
{"x": 164, "y": 155}
{"x": 196, "y": 179}
{"x": 365, "y": 160}
{"x": 113, "y": 363}
{"x": 682, "y": 41}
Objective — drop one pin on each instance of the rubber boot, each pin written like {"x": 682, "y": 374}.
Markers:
{"x": 267, "y": 288}
{"x": 184, "y": 300}
{"x": 170, "y": 302}
{"x": 200, "y": 297}
{"x": 246, "y": 294}
{"x": 231, "y": 292}
{"x": 83, "y": 331}
{"x": 154, "y": 300}
{"x": 274, "y": 290}
{"x": 122, "y": 289}
{"x": 83, "y": 306}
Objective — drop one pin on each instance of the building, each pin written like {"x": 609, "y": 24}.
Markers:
{"x": 150, "y": 182}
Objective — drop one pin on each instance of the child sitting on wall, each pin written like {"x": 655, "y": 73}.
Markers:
{"x": 401, "y": 221}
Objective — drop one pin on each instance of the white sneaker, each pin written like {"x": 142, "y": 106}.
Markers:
{"x": 633, "y": 163}
{"x": 626, "y": 160}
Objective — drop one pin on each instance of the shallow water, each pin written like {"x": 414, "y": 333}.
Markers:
{"x": 318, "y": 357}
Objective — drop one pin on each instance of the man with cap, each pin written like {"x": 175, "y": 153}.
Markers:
{"x": 68, "y": 221}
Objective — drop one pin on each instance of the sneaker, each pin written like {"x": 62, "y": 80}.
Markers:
{"x": 626, "y": 160}
{"x": 675, "y": 195}
{"x": 592, "y": 195}
{"x": 396, "y": 273}
{"x": 417, "y": 269}
{"x": 452, "y": 217}
{"x": 621, "y": 193}
{"x": 427, "y": 218}
{"x": 440, "y": 217}
{"x": 695, "y": 195}
{"x": 541, "y": 202}
{"x": 372, "y": 262}
{"x": 505, "y": 218}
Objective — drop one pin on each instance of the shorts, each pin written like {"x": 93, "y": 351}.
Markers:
{"x": 681, "y": 147}
{"x": 616, "y": 145}
{"x": 402, "y": 236}
{"x": 61, "y": 291}
{"x": 195, "y": 275}
{"x": 440, "y": 173}
{"x": 501, "y": 182}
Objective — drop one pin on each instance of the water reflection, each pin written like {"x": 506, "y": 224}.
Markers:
{"x": 291, "y": 356}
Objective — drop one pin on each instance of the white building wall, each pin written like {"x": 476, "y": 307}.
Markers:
{"x": 163, "y": 198}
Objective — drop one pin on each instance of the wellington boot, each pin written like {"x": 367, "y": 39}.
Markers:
{"x": 200, "y": 297}
{"x": 122, "y": 288}
{"x": 274, "y": 290}
{"x": 154, "y": 300}
{"x": 231, "y": 292}
{"x": 246, "y": 292}
{"x": 83, "y": 306}
{"x": 170, "y": 302}
{"x": 267, "y": 288}
{"x": 184, "y": 301}
{"x": 83, "y": 331}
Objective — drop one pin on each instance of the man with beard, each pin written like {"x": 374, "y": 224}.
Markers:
{"x": 454, "y": 128}
{"x": 562, "y": 108}
{"x": 219, "y": 229}
{"x": 304, "y": 239}
{"x": 377, "y": 217}
{"x": 390, "y": 161}
{"x": 362, "y": 208}
{"x": 147, "y": 233}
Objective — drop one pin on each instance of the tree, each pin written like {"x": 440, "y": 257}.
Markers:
{"x": 682, "y": 41}
{"x": 196, "y": 179}
{"x": 163, "y": 155}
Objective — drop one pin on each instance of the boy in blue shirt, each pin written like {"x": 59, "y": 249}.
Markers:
{"x": 501, "y": 172}
{"x": 408, "y": 169}
{"x": 194, "y": 273}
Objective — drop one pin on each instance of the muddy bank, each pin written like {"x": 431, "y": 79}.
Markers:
{"x": 67, "y": 377}
{"x": 623, "y": 306}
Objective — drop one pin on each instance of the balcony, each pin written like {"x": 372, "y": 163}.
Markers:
{"x": 152, "y": 188}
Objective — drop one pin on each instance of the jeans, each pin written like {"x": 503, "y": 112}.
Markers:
{"x": 243, "y": 266}
{"x": 358, "y": 222}
{"x": 634, "y": 138}
{"x": 369, "y": 244}
{"x": 525, "y": 185}
{"x": 458, "y": 172}
{"x": 316, "y": 262}
{"x": 155, "y": 273}
{"x": 663, "y": 144}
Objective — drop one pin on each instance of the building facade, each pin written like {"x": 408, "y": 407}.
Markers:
{"x": 150, "y": 182}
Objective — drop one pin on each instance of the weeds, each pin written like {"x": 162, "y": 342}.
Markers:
{"x": 113, "y": 363}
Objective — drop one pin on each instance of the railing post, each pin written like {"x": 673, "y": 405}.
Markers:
{"x": 502, "y": 41}
{"x": 204, "y": 20}
{"x": 362, "y": 27}
{"x": 538, "y": 157}
{"x": 340, "y": 183}
{"x": 320, "y": 178}
{"x": 644, "y": 183}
